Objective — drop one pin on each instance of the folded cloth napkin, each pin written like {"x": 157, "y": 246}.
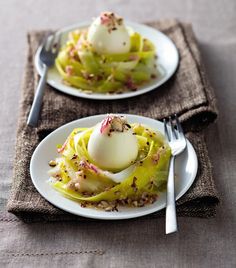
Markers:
{"x": 187, "y": 93}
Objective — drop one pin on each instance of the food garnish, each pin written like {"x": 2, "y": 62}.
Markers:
{"x": 82, "y": 175}
{"x": 107, "y": 57}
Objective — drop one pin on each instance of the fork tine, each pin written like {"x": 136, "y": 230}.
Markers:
{"x": 166, "y": 130}
{"x": 56, "y": 42}
{"x": 49, "y": 42}
{"x": 179, "y": 127}
{"x": 173, "y": 133}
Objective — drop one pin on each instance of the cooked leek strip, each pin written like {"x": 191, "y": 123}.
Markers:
{"x": 89, "y": 62}
{"x": 136, "y": 42}
{"x": 149, "y": 174}
{"x": 84, "y": 69}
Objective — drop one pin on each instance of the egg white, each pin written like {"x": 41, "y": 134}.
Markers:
{"x": 108, "y": 42}
{"x": 113, "y": 152}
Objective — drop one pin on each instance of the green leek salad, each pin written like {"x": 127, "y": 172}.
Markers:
{"x": 80, "y": 66}
{"x": 77, "y": 177}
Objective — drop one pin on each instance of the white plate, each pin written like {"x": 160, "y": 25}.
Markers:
{"x": 186, "y": 170}
{"x": 167, "y": 63}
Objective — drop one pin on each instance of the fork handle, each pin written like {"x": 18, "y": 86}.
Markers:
{"x": 37, "y": 103}
{"x": 171, "y": 220}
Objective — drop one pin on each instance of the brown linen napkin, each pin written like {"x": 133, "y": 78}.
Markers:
{"x": 187, "y": 93}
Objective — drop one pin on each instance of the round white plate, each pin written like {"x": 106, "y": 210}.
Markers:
{"x": 186, "y": 170}
{"x": 167, "y": 63}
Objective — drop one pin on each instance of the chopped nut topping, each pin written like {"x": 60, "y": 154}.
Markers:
{"x": 114, "y": 123}
{"x": 52, "y": 163}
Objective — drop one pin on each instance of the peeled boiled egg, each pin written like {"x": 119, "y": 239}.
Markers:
{"x": 112, "y": 145}
{"x": 108, "y": 34}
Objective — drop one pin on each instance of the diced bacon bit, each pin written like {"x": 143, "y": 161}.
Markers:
{"x": 60, "y": 150}
{"x": 69, "y": 70}
{"x": 133, "y": 57}
{"x": 72, "y": 52}
{"x": 85, "y": 164}
{"x": 156, "y": 158}
{"x": 105, "y": 123}
{"x": 130, "y": 84}
{"x": 94, "y": 168}
{"x": 105, "y": 19}
{"x": 110, "y": 20}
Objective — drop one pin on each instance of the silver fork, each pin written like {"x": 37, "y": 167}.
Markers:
{"x": 47, "y": 57}
{"x": 177, "y": 142}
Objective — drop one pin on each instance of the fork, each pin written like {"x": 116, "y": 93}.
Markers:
{"x": 177, "y": 142}
{"x": 47, "y": 58}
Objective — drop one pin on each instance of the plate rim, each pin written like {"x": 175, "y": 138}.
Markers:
{"x": 96, "y": 96}
{"x": 112, "y": 217}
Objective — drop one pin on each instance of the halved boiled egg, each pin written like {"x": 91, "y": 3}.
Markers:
{"x": 108, "y": 34}
{"x": 112, "y": 145}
